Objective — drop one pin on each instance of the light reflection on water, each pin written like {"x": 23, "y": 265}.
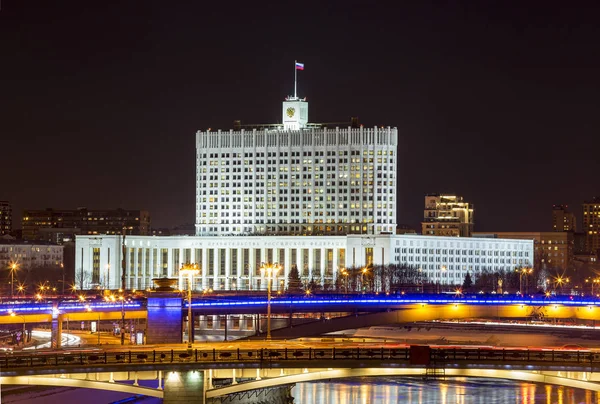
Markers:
{"x": 449, "y": 391}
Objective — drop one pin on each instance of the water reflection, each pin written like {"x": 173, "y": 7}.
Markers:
{"x": 449, "y": 391}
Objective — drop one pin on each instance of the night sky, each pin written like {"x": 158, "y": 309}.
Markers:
{"x": 495, "y": 101}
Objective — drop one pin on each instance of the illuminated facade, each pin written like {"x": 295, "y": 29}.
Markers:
{"x": 562, "y": 219}
{"x": 591, "y": 225}
{"x": 302, "y": 195}
{"x": 447, "y": 215}
{"x": 233, "y": 262}
{"x": 296, "y": 179}
{"x": 5, "y": 218}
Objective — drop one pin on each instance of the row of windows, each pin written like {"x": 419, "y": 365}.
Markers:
{"x": 298, "y": 154}
{"x": 463, "y": 244}
{"x": 440, "y": 251}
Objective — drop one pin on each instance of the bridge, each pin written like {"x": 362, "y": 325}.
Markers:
{"x": 212, "y": 375}
{"x": 349, "y": 311}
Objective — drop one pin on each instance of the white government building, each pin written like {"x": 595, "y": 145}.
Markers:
{"x": 298, "y": 194}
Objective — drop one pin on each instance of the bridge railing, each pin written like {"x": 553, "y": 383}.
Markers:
{"x": 377, "y": 356}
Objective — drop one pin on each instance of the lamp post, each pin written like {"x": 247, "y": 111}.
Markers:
{"x": 362, "y": 277}
{"x": 269, "y": 270}
{"x": 344, "y": 273}
{"x": 524, "y": 271}
{"x": 13, "y": 269}
{"x": 122, "y": 299}
{"x": 190, "y": 270}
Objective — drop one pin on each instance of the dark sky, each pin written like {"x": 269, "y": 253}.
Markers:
{"x": 496, "y": 101}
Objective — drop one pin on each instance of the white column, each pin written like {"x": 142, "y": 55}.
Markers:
{"x": 311, "y": 260}
{"x": 136, "y": 268}
{"x": 323, "y": 252}
{"x": 227, "y": 268}
{"x": 204, "y": 267}
{"x": 299, "y": 260}
{"x": 251, "y": 262}
{"x": 128, "y": 266}
{"x": 152, "y": 265}
{"x": 170, "y": 271}
{"x": 216, "y": 269}
{"x": 240, "y": 269}
{"x": 145, "y": 278}
{"x": 334, "y": 264}
{"x": 263, "y": 258}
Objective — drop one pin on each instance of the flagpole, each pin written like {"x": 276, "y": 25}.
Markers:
{"x": 295, "y": 77}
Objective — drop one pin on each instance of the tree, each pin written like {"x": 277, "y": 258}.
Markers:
{"x": 294, "y": 284}
{"x": 314, "y": 284}
{"x": 467, "y": 283}
{"x": 82, "y": 280}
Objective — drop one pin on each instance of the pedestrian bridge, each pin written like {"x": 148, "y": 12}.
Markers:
{"x": 209, "y": 375}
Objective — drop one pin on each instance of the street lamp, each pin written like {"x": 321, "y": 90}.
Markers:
{"x": 13, "y": 268}
{"x": 524, "y": 271}
{"x": 344, "y": 273}
{"x": 593, "y": 281}
{"x": 190, "y": 270}
{"x": 362, "y": 277}
{"x": 269, "y": 270}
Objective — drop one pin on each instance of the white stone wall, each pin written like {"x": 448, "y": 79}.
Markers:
{"x": 247, "y": 181}
{"x": 443, "y": 259}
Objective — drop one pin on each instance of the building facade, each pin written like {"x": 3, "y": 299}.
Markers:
{"x": 301, "y": 195}
{"x": 562, "y": 219}
{"x": 591, "y": 225}
{"x": 56, "y": 225}
{"x": 552, "y": 250}
{"x": 30, "y": 255}
{"x": 447, "y": 215}
{"x": 5, "y": 218}
{"x": 297, "y": 179}
{"x": 234, "y": 262}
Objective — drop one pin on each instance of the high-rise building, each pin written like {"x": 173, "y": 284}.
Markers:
{"x": 591, "y": 224}
{"x": 315, "y": 198}
{"x": 296, "y": 179}
{"x": 58, "y": 225}
{"x": 562, "y": 219}
{"x": 447, "y": 215}
{"x": 5, "y": 218}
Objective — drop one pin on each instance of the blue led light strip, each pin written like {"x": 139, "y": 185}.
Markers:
{"x": 399, "y": 301}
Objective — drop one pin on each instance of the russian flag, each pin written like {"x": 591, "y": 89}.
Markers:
{"x": 299, "y": 66}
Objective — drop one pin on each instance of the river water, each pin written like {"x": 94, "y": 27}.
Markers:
{"x": 451, "y": 390}
{"x": 360, "y": 391}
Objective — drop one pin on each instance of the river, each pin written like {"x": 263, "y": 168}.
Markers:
{"x": 359, "y": 391}
{"x": 451, "y": 390}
